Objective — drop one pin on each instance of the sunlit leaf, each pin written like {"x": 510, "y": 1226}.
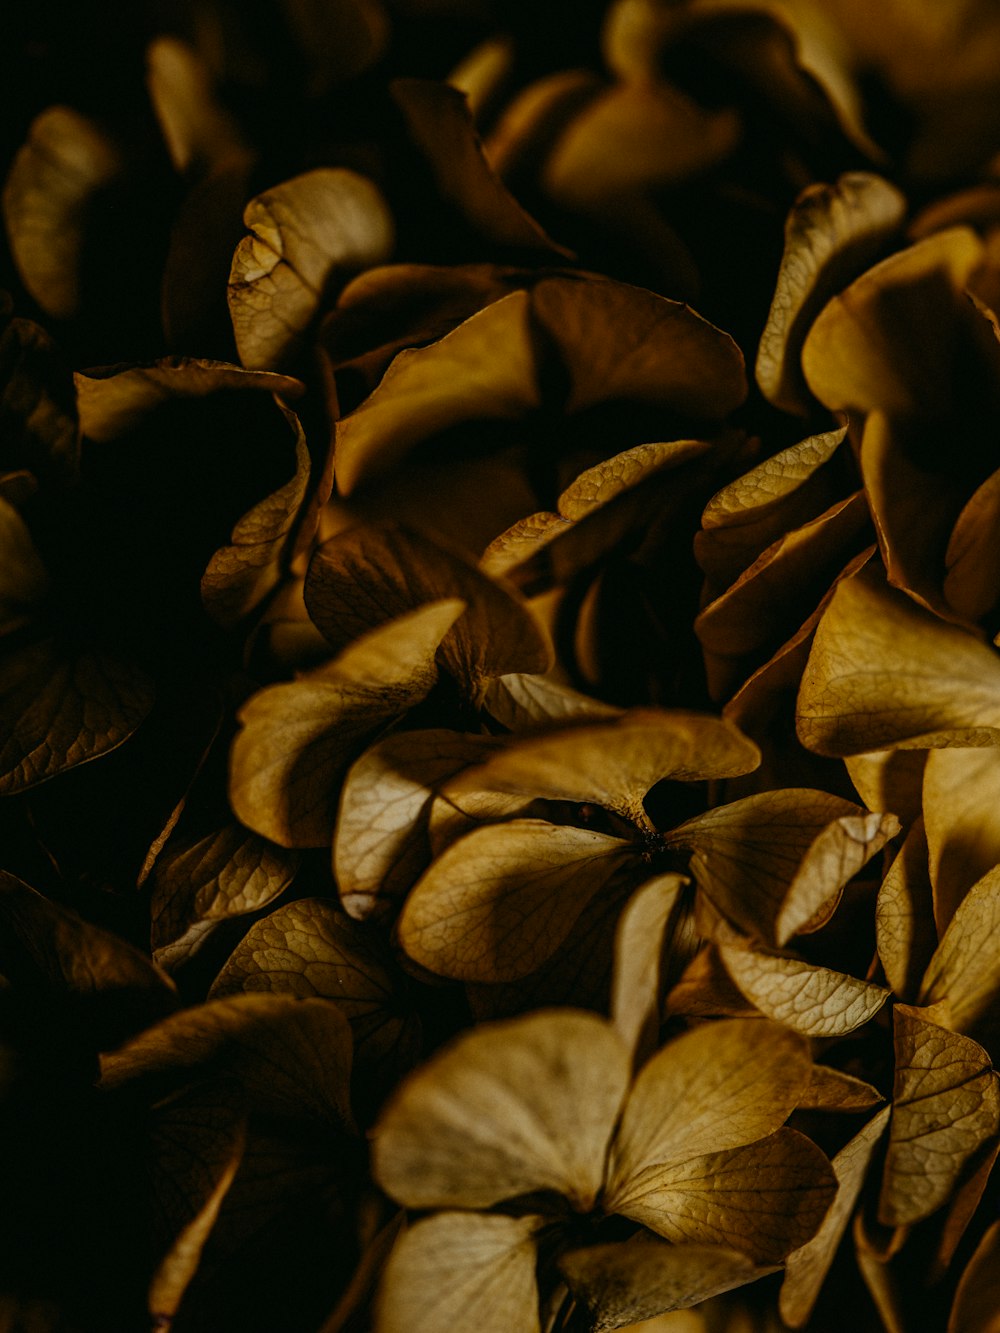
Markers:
{"x": 299, "y": 739}
{"x": 904, "y": 919}
{"x": 381, "y": 842}
{"x": 622, "y": 1284}
{"x": 305, "y": 232}
{"x": 366, "y": 575}
{"x": 636, "y": 999}
{"x": 884, "y": 672}
{"x": 961, "y": 792}
{"x": 945, "y": 1106}
{"x": 809, "y": 999}
{"x": 460, "y": 1271}
{"x": 806, "y": 1268}
{"x": 964, "y": 974}
{"x": 890, "y": 780}
{"x": 499, "y": 901}
{"x": 292, "y": 1057}
{"x": 832, "y": 233}
{"x": 712, "y": 1089}
{"x": 507, "y": 1109}
{"x": 48, "y": 199}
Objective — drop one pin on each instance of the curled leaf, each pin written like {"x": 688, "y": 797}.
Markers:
{"x": 812, "y": 1000}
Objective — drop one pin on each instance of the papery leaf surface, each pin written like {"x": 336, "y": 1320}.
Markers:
{"x": 961, "y": 801}
{"x": 964, "y": 974}
{"x": 636, "y": 1001}
{"x": 507, "y": 1109}
{"x": 815, "y": 1001}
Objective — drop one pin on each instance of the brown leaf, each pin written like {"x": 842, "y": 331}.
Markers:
{"x": 832, "y": 233}
{"x": 521, "y": 701}
{"x": 309, "y": 948}
{"x": 200, "y": 135}
{"x": 963, "y": 977}
{"x": 637, "y": 980}
{"x": 498, "y": 902}
{"x": 368, "y": 574}
{"x": 298, "y": 739}
{"x": 890, "y": 780}
{"x": 291, "y": 1057}
{"x": 945, "y": 1106}
{"x": 904, "y": 920}
{"x": 977, "y": 1300}
{"x": 380, "y": 844}
{"x": 438, "y": 120}
{"x": 38, "y": 417}
{"x": 507, "y": 1109}
{"x": 241, "y": 575}
{"x": 973, "y": 554}
{"x": 47, "y": 203}
{"x": 615, "y": 763}
{"x": 195, "y": 885}
{"x": 305, "y": 234}
{"x": 461, "y": 1271}
{"x": 831, "y": 1090}
{"x": 884, "y": 673}
{"x": 962, "y": 816}
{"x": 621, "y": 1284}
{"x": 806, "y": 1268}
{"x": 23, "y": 578}
{"x": 812, "y": 1000}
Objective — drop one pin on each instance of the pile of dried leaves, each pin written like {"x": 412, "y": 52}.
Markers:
{"x": 499, "y": 689}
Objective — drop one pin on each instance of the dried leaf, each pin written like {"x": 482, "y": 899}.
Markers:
{"x": 832, "y": 233}
{"x": 38, "y": 417}
{"x": 715, "y": 1088}
{"x": 305, "y": 234}
{"x": 23, "y": 578}
{"x": 831, "y": 1090}
{"x": 507, "y": 1109}
{"x": 462, "y": 1272}
{"x": 200, "y": 135}
{"x": 973, "y": 554}
{"x": 622, "y": 1284}
{"x": 291, "y": 1057}
{"x": 961, "y": 795}
{"x": 812, "y": 1000}
{"x": 310, "y": 949}
{"x": 366, "y": 575}
{"x": 521, "y": 701}
{"x": 63, "y": 167}
{"x": 381, "y": 843}
{"x": 884, "y": 673}
{"x": 945, "y": 1106}
{"x": 977, "y": 1300}
{"x": 497, "y": 903}
{"x": 904, "y": 920}
{"x": 806, "y": 1268}
{"x": 890, "y": 780}
{"x": 298, "y": 739}
{"x": 637, "y": 981}
{"x": 963, "y": 977}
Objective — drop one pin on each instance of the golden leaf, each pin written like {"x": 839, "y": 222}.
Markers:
{"x": 776, "y": 863}
{"x": 812, "y": 1000}
{"x": 637, "y": 981}
{"x": 305, "y": 232}
{"x": 291, "y": 1057}
{"x": 380, "y": 844}
{"x": 904, "y": 920}
{"x": 962, "y": 818}
{"x": 308, "y": 948}
{"x": 973, "y": 554}
{"x": 462, "y": 1272}
{"x": 765, "y": 1199}
{"x": 945, "y": 1106}
{"x": 507, "y": 1109}
{"x": 615, "y": 763}
{"x": 883, "y": 672}
{"x": 521, "y": 701}
{"x": 498, "y": 902}
{"x": 298, "y": 739}
{"x": 200, "y": 135}
{"x": 806, "y": 1268}
{"x": 624, "y": 1283}
{"x": 890, "y": 780}
{"x": 48, "y": 199}
{"x": 977, "y": 1300}
{"x": 963, "y": 977}
{"x": 367, "y": 574}
{"x": 831, "y": 1090}
{"x": 832, "y": 233}
{"x": 712, "y": 1089}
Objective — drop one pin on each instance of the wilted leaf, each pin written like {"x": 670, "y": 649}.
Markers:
{"x": 904, "y": 920}
{"x": 508, "y": 1109}
{"x": 63, "y": 167}
{"x": 776, "y": 863}
{"x": 831, "y": 1090}
{"x": 890, "y": 780}
{"x": 945, "y": 1106}
{"x": 60, "y": 709}
{"x": 38, "y": 419}
{"x": 462, "y": 1272}
{"x": 883, "y": 672}
{"x": 961, "y": 799}
{"x": 963, "y": 977}
{"x": 812, "y": 1000}
{"x": 973, "y": 555}
{"x": 305, "y": 233}
{"x": 615, "y": 763}
{"x": 195, "y": 885}
{"x": 199, "y": 133}
{"x": 806, "y": 1268}
{"x": 498, "y": 902}
{"x": 765, "y": 1199}
{"x": 298, "y": 739}
{"x": 381, "y": 844}
{"x": 637, "y": 980}
{"x": 977, "y": 1300}
{"x": 520, "y": 701}
{"x": 309, "y": 948}
{"x": 366, "y": 575}
{"x": 621, "y": 1284}
{"x": 292, "y": 1057}
{"x": 713, "y": 1089}
{"x": 832, "y": 233}
{"x": 241, "y": 575}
